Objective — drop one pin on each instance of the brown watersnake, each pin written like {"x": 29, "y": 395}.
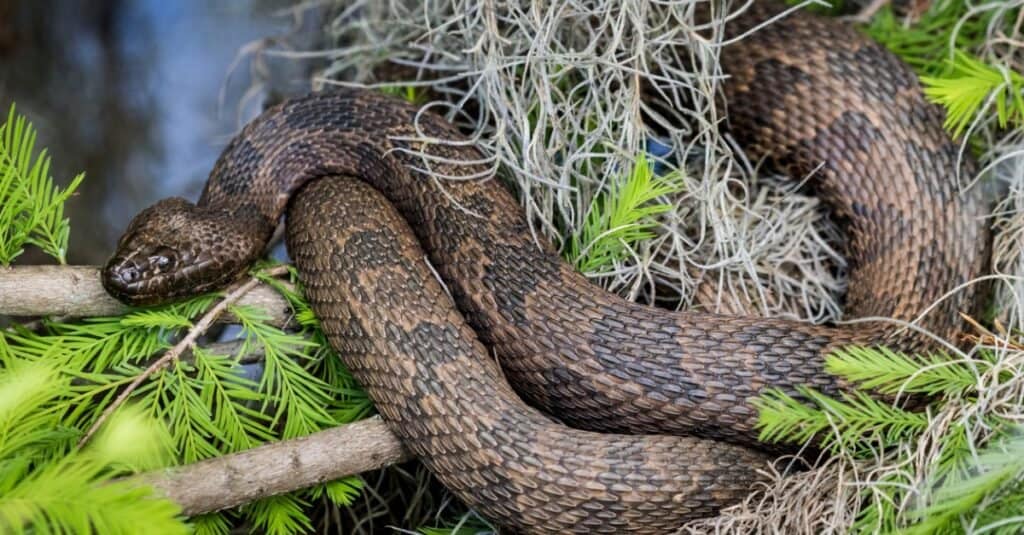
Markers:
{"x": 808, "y": 93}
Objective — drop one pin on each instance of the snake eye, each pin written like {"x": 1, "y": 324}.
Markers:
{"x": 163, "y": 260}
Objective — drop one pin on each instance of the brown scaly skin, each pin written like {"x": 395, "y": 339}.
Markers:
{"x": 824, "y": 94}
{"x": 431, "y": 378}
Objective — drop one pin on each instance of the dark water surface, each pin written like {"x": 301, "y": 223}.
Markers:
{"x": 129, "y": 91}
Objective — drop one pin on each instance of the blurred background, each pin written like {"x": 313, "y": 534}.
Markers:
{"x": 141, "y": 95}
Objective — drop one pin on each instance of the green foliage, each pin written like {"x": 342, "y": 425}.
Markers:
{"x": 295, "y": 398}
{"x": 621, "y": 218}
{"x": 890, "y": 372}
{"x": 55, "y": 382}
{"x": 279, "y": 514}
{"x": 340, "y": 491}
{"x": 965, "y": 486}
{"x": 965, "y": 490}
{"x": 932, "y": 39}
{"x": 856, "y": 419}
{"x": 31, "y": 206}
{"x": 410, "y": 93}
{"x": 47, "y": 485}
{"x": 209, "y": 405}
{"x": 212, "y": 524}
{"x": 987, "y": 494}
{"x": 969, "y": 85}
{"x": 938, "y": 46}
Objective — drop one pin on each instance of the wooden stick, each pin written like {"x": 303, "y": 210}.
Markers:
{"x": 276, "y": 468}
{"x": 75, "y": 291}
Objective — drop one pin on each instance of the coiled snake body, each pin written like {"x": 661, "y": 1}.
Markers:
{"x": 804, "y": 92}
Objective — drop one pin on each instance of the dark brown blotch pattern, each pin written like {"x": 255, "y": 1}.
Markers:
{"x": 448, "y": 400}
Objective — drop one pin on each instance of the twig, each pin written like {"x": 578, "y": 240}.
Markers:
{"x": 989, "y": 338}
{"x": 188, "y": 342}
{"x": 272, "y": 469}
{"x": 75, "y": 292}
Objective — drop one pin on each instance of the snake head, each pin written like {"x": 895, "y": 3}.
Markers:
{"x": 174, "y": 250}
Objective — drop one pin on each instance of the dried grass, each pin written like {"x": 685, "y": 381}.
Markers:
{"x": 566, "y": 94}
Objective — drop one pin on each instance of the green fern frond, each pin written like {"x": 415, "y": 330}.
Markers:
{"x": 995, "y": 476}
{"x": 853, "y": 420}
{"x": 621, "y": 218}
{"x": 886, "y": 371}
{"x": 230, "y": 396}
{"x": 879, "y": 515}
{"x": 279, "y": 515}
{"x": 26, "y": 390}
{"x": 858, "y": 417}
{"x": 31, "y": 206}
{"x": 927, "y": 43}
{"x": 174, "y": 397}
{"x": 295, "y": 397}
{"x": 291, "y": 292}
{"x": 409, "y": 93}
{"x": 132, "y": 442}
{"x": 211, "y": 524}
{"x": 209, "y": 405}
{"x": 47, "y": 486}
{"x": 963, "y": 487}
{"x": 968, "y": 85}
{"x": 97, "y": 344}
{"x": 341, "y": 492}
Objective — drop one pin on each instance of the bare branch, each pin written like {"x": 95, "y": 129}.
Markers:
{"x": 272, "y": 469}
{"x": 75, "y": 291}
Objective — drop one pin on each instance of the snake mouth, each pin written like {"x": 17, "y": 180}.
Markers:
{"x": 137, "y": 283}
{"x": 132, "y": 283}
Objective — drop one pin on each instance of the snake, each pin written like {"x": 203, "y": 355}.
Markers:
{"x": 541, "y": 400}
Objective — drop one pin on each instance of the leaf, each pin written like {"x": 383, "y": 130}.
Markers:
{"x": 47, "y": 487}
{"x": 620, "y": 219}
{"x": 211, "y": 524}
{"x": 341, "y": 492}
{"x": 925, "y": 45}
{"x": 886, "y": 371}
{"x": 969, "y": 85}
{"x": 31, "y": 206}
{"x": 997, "y": 469}
{"x": 297, "y": 398}
{"x": 853, "y": 420}
{"x": 279, "y": 515}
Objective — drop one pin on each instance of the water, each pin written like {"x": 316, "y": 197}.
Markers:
{"x": 136, "y": 94}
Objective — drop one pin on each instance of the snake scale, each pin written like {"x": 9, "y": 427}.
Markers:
{"x": 807, "y": 93}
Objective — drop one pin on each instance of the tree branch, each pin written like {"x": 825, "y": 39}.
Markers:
{"x": 231, "y": 480}
{"x": 272, "y": 469}
{"x": 75, "y": 291}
